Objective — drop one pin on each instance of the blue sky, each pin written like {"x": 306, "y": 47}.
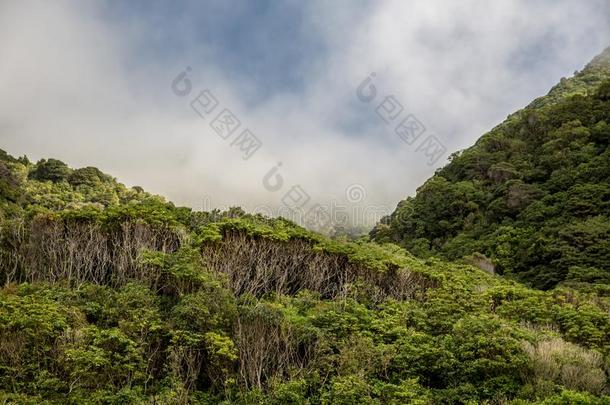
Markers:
{"x": 265, "y": 43}
{"x": 89, "y": 83}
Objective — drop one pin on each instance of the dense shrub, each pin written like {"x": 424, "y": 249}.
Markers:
{"x": 110, "y": 295}
{"x": 533, "y": 194}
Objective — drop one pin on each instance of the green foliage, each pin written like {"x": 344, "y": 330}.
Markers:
{"x": 490, "y": 352}
{"x": 112, "y": 295}
{"x": 50, "y": 170}
{"x": 533, "y": 194}
{"x": 568, "y": 397}
{"x": 89, "y": 176}
{"x": 461, "y": 342}
{"x": 104, "y": 358}
{"x": 206, "y": 310}
{"x": 9, "y": 183}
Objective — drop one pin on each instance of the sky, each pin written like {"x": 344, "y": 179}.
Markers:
{"x": 279, "y": 106}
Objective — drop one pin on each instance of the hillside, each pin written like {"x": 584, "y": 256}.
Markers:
{"x": 111, "y": 295}
{"x": 532, "y": 195}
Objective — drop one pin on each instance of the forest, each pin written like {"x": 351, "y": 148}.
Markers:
{"x": 491, "y": 285}
{"x": 532, "y": 195}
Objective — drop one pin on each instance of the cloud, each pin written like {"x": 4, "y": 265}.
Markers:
{"x": 90, "y": 84}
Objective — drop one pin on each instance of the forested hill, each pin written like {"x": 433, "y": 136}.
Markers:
{"x": 532, "y": 195}
{"x": 111, "y": 295}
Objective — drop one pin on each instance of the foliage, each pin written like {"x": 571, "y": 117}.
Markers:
{"x": 50, "y": 170}
{"x": 112, "y": 295}
{"x": 533, "y": 194}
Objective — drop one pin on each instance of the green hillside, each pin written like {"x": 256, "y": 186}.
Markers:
{"x": 532, "y": 195}
{"x": 111, "y": 296}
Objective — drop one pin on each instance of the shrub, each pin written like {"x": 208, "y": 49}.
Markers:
{"x": 50, "y": 170}
{"x": 566, "y": 364}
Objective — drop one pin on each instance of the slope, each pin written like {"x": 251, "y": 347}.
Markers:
{"x": 532, "y": 195}
{"x": 111, "y": 295}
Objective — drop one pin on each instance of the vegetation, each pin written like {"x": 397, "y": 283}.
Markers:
{"x": 532, "y": 195}
{"x": 111, "y": 295}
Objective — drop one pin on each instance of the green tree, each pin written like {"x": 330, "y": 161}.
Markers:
{"x": 50, "y": 170}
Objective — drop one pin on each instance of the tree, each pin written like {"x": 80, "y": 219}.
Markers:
{"x": 90, "y": 176}
{"x": 50, "y": 170}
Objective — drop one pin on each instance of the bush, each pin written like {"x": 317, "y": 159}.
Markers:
{"x": 89, "y": 176}
{"x": 50, "y": 170}
{"x": 566, "y": 364}
{"x": 568, "y": 397}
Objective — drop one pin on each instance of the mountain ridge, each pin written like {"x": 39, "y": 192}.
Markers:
{"x": 112, "y": 295}
{"x": 542, "y": 156}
